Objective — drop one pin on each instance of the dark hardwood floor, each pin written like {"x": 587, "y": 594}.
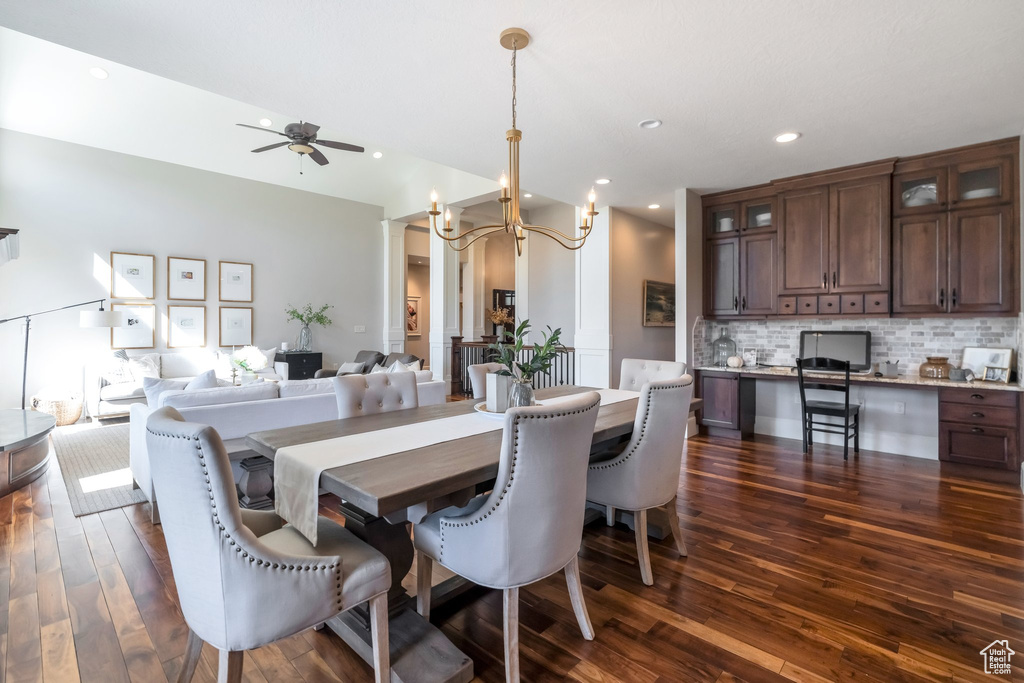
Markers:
{"x": 805, "y": 569}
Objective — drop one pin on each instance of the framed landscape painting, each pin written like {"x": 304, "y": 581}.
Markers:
{"x": 132, "y": 276}
{"x": 235, "y": 281}
{"x": 659, "y": 304}
{"x": 139, "y": 329}
{"x": 186, "y": 327}
{"x": 186, "y": 279}
{"x": 235, "y": 326}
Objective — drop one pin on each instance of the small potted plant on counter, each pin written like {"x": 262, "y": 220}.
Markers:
{"x": 307, "y": 316}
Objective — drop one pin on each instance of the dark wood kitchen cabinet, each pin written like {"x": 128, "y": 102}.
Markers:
{"x": 963, "y": 178}
{"x": 729, "y": 403}
{"x": 803, "y": 241}
{"x": 859, "y": 235}
{"x": 722, "y": 277}
{"x": 920, "y": 264}
{"x": 757, "y": 275}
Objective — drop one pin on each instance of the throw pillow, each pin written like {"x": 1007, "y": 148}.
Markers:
{"x": 399, "y": 366}
{"x": 350, "y": 368}
{"x": 145, "y": 366}
{"x": 154, "y": 386}
{"x": 205, "y": 380}
{"x": 378, "y": 368}
{"x": 117, "y": 370}
{"x": 269, "y": 353}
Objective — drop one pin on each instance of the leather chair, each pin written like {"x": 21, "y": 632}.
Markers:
{"x": 636, "y": 372}
{"x": 370, "y": 394}
{"x": 646, "y": 474}
{"x": 530, "y": 526}
{"x": 230, "y": 564}
{"x": 478, "y": 377}
{"x": 367, "y": 358}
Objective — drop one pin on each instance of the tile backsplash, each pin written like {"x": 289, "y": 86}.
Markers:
{"x": 904, "y": 339}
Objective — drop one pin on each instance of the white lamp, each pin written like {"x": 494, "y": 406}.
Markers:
{"x": 101, "y": 318}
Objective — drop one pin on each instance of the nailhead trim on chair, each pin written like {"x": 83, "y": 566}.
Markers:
{"x": 336, "y": 567}
{"x": 623, "y": 457}
{"x": 511, "y": 472}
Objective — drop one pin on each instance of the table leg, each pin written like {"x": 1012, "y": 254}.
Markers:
{"x": 419, "y": 651}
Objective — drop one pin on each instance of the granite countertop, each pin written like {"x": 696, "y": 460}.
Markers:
{"x": 20, "y": 426}
{"x": 868, "y": 378}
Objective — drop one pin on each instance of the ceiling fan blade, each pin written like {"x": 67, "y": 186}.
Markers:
{"x": 339, "y": 145}
{"x": 273, "y": 146}
{"x": 309, "y": 129}
{"x": 318, "y": 156}
{"x": 246, "y": 125}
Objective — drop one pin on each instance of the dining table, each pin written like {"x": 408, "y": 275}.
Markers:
{"x": 380, "y": 497}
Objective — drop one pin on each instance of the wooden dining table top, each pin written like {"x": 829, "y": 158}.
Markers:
{"x": 391, "y": 483}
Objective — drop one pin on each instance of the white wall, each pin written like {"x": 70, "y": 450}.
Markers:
{"x": 640, "y": 250}
{"x": 75, "y": 204}
{"x": 553, "y": 273}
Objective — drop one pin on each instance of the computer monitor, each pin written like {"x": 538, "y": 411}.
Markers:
{"x": 852, "y": 346}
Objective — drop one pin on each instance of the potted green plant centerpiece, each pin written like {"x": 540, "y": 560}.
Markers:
{"x": 522, "y": 371}
{"x": 307, "y": 316}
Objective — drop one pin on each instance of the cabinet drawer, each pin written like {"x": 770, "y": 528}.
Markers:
{"x": 979, "y": 397}
{"x": 852, "y": 303}
{"x": 807, "y": 305}
{"x": 992, "y": 416}
{"x": 787, "y": 305}
{"x": 983, "y": 446}
{"x": 828, "y": 305}
{"x": 876, "y": 303}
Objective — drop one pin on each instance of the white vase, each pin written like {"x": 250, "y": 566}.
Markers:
{"x": 247, "y": 378}
{"x": 501, "y": 333}
{"x": 497, "y": 392}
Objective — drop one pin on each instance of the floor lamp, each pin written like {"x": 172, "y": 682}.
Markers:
{"x": 100, "y": 318}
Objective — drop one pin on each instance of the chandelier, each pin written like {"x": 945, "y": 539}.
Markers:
{"x": 513, "y": 39}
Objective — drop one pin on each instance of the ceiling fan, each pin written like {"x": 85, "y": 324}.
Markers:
{"x": 301, "y": 138}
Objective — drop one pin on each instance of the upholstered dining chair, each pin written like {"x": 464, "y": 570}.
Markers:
{"x": 530, "y": 526}
{"x": 478, "y": 377}
{"x": 634, "y": 373}
{"x": 229, "y": 563}
{"x": 370, "y": 394}
{"x": 646, "y": 474}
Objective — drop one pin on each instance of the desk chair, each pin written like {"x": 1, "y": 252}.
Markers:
{"x": 809, "y": 409}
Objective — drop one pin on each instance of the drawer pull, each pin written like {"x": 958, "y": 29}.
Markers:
{"x": 978, "y": 397}
{"x": 978, "y": 415}
{"x": 977, "y": 430}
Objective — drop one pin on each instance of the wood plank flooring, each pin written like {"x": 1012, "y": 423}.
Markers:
{"x": 804, "y": 569}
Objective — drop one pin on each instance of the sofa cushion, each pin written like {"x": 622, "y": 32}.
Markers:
{"x": 144, "y": 366}
{"x": 305, "y": 387}
{"x": 369, "y": 358}
{"x": 352, "y": 368}
{"x": 153, "y": 387}
{"x": 121, "y": 391}
{"x": 256, "y": 391}
{"x": 424, "y": 376}
{"x": 377, "y": 369}
{"x": 399, "y": 366}
{"x": 204, "y": 380}
{"x": 187, "y": 363}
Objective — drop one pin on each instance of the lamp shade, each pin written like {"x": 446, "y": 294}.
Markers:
{"x": 101, "y": 318}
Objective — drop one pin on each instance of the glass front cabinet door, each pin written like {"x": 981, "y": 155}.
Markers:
{"x": 981, "y": 183}
{"x": 920, "y": 191}
{"x": 723, "y": 221}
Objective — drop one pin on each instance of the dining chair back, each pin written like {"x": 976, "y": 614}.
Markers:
{"x": 634, "y": 373}
{"x": 382, "y": 392}
{"x": 478, "y": 377}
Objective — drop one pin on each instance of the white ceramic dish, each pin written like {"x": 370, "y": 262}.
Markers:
{"x": 763, "y": 219}
{"x": 982, "y": 193}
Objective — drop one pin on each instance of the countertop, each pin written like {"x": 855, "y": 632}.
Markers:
{"x": 19, "y": 427}
{"x": 785, "y": 372}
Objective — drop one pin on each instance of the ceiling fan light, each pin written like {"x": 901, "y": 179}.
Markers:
{"x": 300, "y": 148}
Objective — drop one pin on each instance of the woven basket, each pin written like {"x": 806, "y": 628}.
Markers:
{"x": 67, "y": 410}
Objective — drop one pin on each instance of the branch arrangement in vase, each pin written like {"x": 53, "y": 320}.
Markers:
{"x": 307, "y": 316}
{"x": 543, "y": 354}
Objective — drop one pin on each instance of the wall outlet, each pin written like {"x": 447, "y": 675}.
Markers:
{"x": 901, "y": 408}
{"x": 360, "y": 329}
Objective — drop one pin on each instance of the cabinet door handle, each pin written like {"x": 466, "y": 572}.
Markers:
{"x": 824, "y": 280}
{"x": 977, "y": 397}
{"x": 744, "y": 302}
{"x": 942, "y": 296}
{"x": 977, "y": 430}
{"x": 833, "y": 279}
{"x": 953, "y": 297}
{"x": 736, "y": 303}
{"x": 978, "y": 415}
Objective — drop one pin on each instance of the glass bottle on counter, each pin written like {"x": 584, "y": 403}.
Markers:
{"x": 722, "y": 348}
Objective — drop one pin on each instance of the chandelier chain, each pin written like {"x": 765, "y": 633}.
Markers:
{"x": 514, "y": 83}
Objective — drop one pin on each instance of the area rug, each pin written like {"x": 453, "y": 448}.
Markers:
{"x": 94, "y": 463}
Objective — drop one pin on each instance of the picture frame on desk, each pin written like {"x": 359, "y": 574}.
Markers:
{"x": 977, "y": 359}
{"x": 996, "y": 374}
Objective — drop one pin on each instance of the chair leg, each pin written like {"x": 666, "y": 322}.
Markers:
{"x": 643, "y": 553}
{"x": 579, "y": 606}
{"x": 673, "y": 523}
{"x": 229, "y": 670}
{"x": 810, "y": 429}
{"x": 511, "y": 600}
{"x": 424, "y": 564}
{"x": 193, "y": 648}
{"x": 856, "y": 433}
{"x": 381, "y": 641}
{"x": 803, "y": 433}
{"x": 609, "y": 515}
{"x": 846, "y": 438}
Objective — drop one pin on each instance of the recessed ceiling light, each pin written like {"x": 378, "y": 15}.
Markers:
{"x": 97, "y": 72}
{"x": 786, "y": 137}
{"x": 603, "y": 181}
{"x": 266, "y": 123}
{"x": 527, "y": 195}
{"x": 654, "y": 206}
{"x": 650, "y": 123}
{"x": 378, "y": 155}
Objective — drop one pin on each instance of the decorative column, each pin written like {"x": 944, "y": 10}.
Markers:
{"x": 394, "y": 286}
{"x": 444, "y": 302}
{"x": 593, "y": 338}
{"x": 474, "y": 299}
{"x": 689, "y": 270}
{"x": 523, "y": 283}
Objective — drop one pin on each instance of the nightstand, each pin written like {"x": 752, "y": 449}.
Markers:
{"x": 301, "y": 364}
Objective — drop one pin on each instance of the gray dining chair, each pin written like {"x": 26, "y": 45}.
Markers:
{"x": 230, "y": 565}
{"x": 478, "y": 377}
{"x": 530, "y": 525}
{"x": 371, "y": 394}
{"x": 634, "y": 373}
{"x": 646, "y": 474}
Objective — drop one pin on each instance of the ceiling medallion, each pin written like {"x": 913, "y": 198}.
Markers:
{"x": 513, "y": 39}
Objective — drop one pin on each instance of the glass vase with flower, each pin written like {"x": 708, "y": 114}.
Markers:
{"x": 522, "y": 363}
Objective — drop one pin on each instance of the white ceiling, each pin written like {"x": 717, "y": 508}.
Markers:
{"x": 861, "y": 80}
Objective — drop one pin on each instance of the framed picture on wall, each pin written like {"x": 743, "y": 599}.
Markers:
{"x": 659, "y": 304}
{"x": 235, "y": 281}
{"x": 412, "y": 316}
{"x": 186, "y": 327}
{"x": 139, "y": 329}
{"x": 235, "y": 326}
{"x": 186, "y": 279}
{"x": 132, "y": 276}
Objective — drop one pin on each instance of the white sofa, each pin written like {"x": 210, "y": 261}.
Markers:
{"x": 105, "y": 396}
{"x": 236, "y": 412}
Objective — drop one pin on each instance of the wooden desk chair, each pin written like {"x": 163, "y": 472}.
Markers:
{"x": 812, "y": 408}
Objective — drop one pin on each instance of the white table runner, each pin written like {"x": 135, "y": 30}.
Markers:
{"x": 297, "y": 469}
